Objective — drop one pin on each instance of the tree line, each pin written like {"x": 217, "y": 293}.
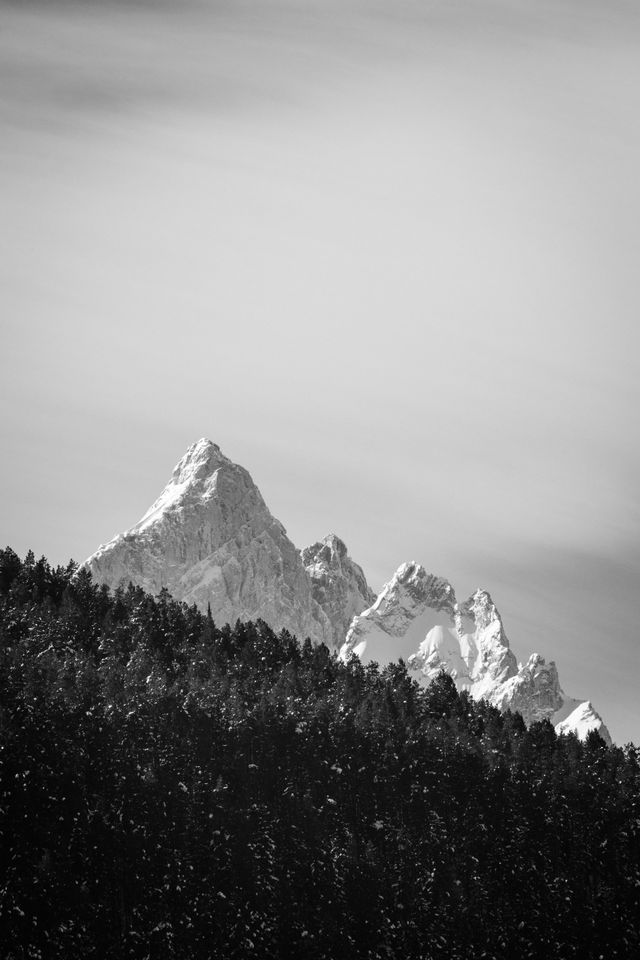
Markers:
{"x": 172, "y": 788}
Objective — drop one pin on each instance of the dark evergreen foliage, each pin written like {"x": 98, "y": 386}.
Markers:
{"x": 171, "y": 789}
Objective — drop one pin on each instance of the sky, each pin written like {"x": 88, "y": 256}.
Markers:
{"x": 384, "y": 253}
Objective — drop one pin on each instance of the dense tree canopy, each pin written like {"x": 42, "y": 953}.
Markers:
{"x": 173, "y": 789}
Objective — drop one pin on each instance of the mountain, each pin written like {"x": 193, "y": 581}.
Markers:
{"x": 434, "y": 632}
{"x": 210, "y": 540}
{"x": 338, "y": 584}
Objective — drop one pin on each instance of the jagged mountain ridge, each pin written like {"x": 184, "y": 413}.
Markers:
{"x": 468, "y": 640}
{"x": 211, "y": 540}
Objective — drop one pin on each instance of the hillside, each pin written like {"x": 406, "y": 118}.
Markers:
{"x": 172, "y": 789}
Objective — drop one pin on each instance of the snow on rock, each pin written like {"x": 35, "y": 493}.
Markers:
{"x": 338, "y": 584}
{"x": 472, "y": 647}
{"x": 534, "y": 691}
{"x": 210, "y": 539}
{"x": 434, "y": 632}
{"x": 410, "y": 602}
{"x": 582, "y": 720}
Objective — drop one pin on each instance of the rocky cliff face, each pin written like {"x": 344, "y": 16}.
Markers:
{"x": 210, "y": 539}
{"x": 338, "y": 584}
{"x": 434, "y": 632}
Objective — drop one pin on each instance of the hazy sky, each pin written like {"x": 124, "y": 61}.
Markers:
{"x": 386, "y": 254}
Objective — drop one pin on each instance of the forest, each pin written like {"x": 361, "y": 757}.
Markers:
{"x": 175, "y": 788}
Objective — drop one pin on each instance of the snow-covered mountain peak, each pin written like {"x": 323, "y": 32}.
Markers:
{"x": 482, "y": 610}
{"x": 331, "y": 549}
{"x": 407, "y": 607}
{"x": 480, "y": 626}
{"x": 338, "y": 584}
{"x": 582, "y": 720}
{"x": 201, "y": 474}
{"x": 201, "y": 460}
{"x": 412, "y": 588}
{"x": 210, "y": 539}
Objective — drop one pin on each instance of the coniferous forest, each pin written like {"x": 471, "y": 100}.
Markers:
{"x": 175, "y": 789}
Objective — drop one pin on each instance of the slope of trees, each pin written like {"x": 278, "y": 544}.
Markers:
{"x": 172, "y": 789}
